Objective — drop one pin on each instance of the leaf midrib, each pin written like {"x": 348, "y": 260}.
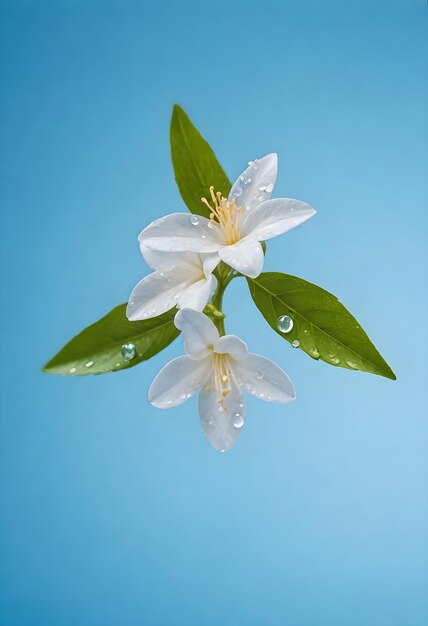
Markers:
{"x": 273, "y": 295}
{"x": 128, "y": 338}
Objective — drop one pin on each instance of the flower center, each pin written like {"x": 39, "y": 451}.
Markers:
{"x": 224, "y": 213}
{"x": 221, "y": 377}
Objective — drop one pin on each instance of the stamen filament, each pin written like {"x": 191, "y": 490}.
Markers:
{"x": 225, "y": 213}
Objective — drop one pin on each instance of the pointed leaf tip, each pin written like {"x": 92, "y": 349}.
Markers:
{"x": 196, "y": 167}
{"x": 320, "y": 325}
{"x": 113, "y": 343}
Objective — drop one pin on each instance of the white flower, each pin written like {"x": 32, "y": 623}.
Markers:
{"x": 236, "y": 225}
{"x": 221, "y": 367}
{"x": 182, "y": 279}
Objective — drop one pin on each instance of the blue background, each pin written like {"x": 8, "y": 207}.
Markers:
{"x": 115, "y": 513}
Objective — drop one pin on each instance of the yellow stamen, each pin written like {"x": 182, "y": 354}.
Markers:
{"x": 224, "y": 213}
{"x": 221, "y": 376}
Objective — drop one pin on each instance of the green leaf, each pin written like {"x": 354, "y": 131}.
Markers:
{"x": 97, "y": 349}
{"x": 195, "y": 165}
{"x": 322, "y": 325}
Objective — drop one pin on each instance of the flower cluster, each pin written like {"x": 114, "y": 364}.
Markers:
{"x": 186, "y": 253}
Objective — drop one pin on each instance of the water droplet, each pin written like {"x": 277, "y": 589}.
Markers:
{"x": 194, "y": 219}
{"x": 335, "y": 360}
{"x": 238, "y": 420}
{"x": 269, "y": 188}
{"x": 128, "y": 351}
{"x": 237, "y": 191}
{"x": 261, "y": 396}
{"x": 285, "y": 323}
{"x": 258, "y": 374}
{"x": 222, "y": 409}
{"x": 209, "y": 422}
{"x": 89, "y": 364}
{"x": 295, "y": 343}
{"x": 353, "y": 365}
{"x": 248, "y": 181}
{"x": 72, "y": 370}
{"x": 314, "y": 352}
{"x": 248, "y": 387}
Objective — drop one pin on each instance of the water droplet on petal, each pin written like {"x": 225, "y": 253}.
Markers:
{"x": 209, "y": 422}
{"x": 89, "y": 364}
{"x": 237, "y": 191}
{"x": 248, "y": 181}
{"x": 269, "y": 188}
{"x": 238, "y": 420}
{"x": 194, "y": 219}
{"x": 285, "y": 323}
{"x": 295, "y": 343}
{"x": 258, "y": 374}
{"x": 128, "y": 351}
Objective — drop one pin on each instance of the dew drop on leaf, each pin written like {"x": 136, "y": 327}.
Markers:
{"x": 285, "y": 323}
{"x": 128, "y": 351}
{"x": 295, "y": 343}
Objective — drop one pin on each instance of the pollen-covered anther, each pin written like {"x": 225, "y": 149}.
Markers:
{"x": 225, "y": 214}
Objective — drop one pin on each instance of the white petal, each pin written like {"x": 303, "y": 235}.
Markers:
{"x": 176, "y": 233}
{"x": 262, "y": 177}
{"x": 155, "y": 294}
{"x": 231, "y": 344}
{"x": 263, "y": 378}
{"x": 246, "y": 257}
{"x": 209, "y": 263}
{"x": 218, "y": 420}
{"x": 274, "y": 217}
{"x": 177, "y": 381}
{"x": 191, "y": 262}
{"x": 158, "y": 260}
{"x": 197, "y": 295}
{"x": 199, "y": 333}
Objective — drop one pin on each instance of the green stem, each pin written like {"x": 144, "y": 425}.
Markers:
{"x": 217, "y": 300}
